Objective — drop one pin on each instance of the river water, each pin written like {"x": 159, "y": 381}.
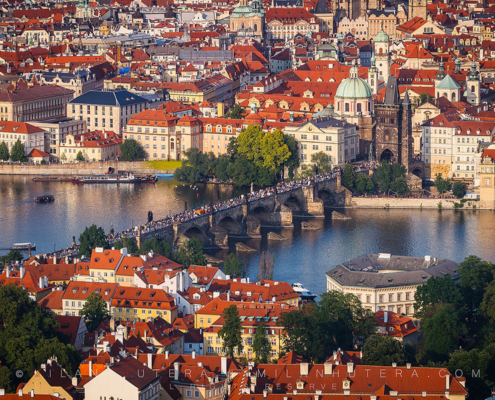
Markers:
{"x": 304, "y": 257}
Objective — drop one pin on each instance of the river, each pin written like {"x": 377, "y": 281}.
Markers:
{"x": 304, "y": 257}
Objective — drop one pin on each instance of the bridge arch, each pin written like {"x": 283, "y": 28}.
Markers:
{"x": 262, "y": 213}
{"x": 326, "y": 196}
{"x": 229, "y": 224}
{"x": 293, "y": 203}
{"x": 196, "y": 232}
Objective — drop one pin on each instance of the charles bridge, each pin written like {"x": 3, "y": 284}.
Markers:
{"x": 246, "y": 219}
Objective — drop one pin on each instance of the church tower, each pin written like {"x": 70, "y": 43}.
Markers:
{"x": 382, "y": 48}
{"x": 417, "y": 8}
{"x": 373, "y": 76}
{"x": 473, "y": 86}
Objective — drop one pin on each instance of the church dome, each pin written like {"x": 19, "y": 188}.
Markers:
{"x": 242, "y": 10}
{"x": 354, "y": 87}
{"x": 382, "y": 37}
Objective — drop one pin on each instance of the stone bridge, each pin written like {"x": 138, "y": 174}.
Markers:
{"x": 246, "y": 219}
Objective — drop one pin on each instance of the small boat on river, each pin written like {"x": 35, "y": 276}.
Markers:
{"x": 44, "y": 198}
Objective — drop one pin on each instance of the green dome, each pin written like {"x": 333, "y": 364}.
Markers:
{"x": 354, "y": 87}
{"x": 242, "y": 10}
{"x": 382, "y": 37}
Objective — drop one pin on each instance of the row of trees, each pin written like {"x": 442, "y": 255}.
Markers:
{"x": 387, "y": 177}
{"x": 16, "y": 154}
{"x": 459, "y": 188}
{"x": 458, "y": 322}
{"x": 254, "y": 156}
{"x": 190, "y": 253}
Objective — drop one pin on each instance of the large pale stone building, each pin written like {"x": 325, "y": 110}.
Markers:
{"x": 30, "y": 136}
{"x": 387, "y": 282}
{"x": 248, "y": 20}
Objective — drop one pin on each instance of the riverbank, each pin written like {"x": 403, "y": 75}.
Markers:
{"x": 87, "y": 168}
{"x": 393, "y": 202}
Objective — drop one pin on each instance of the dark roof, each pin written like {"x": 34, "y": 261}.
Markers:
{"x": 109, "y": 98}
{"x": 34, "y": 92}
{"x": 135, "y": 372}
{"x": 330, "y": 122}
{"x": 392, "y": 94}
{"x": 385, "y": 270}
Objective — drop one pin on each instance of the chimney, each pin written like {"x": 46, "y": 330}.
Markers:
{"x": 328, "y": 368}
{"x": 40, "y": 283}
{"x": 22, "y": 271}
{"x": 223, "y": 366}
{"x": 166, "y": 355}
{"x": 194, "y": 354}
{"x": 447, "y": 382}
{"x": 91, "y": 369}
{"x": 265, "y": 393}
{"x": 7, "y": 271}
{"x": 31, "y": 393}
{"x": 385, "y": 316}
{"x": 350, "y": 368}
{"x": 303, "y": 369}
{"x": 176, "y": 371}
{"x": 46, "y": 281}
{"x": 2, "y": 392}
{"x": 228, "y": 295}
{"x": 74, "y": 382}
{"x": 408, "y": 366}
{"x": 150, "y": 360}
{"x": 394, "y": 365}
{"x": 20, "y": 393}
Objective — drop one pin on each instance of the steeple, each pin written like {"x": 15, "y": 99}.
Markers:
{"x": 473, "y": 75}
{"x": 441, "y": 72}
{"x": 406, "y": 102}
{"x": 457, "y": 66}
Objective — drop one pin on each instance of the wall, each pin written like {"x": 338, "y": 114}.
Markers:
{"x": 375, "y": 202}
{"x": 78, "y": 168}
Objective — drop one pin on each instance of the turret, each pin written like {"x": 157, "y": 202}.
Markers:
{"x": 373, "y": 75}
{"x": 473, "y": 86}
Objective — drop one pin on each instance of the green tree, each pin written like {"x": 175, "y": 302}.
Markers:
{"x": 487, "y": 306}
{"x": 383, "y": 350}
{"x": 191, "y": 253}
{"x": 459, "y": 189}
{"x": 261, "y": 345}
{"x": 234, "y": 267}
{"x": 438, "y": 290}
{"x": 242, "y": 171}
{"x": 442, "y": 185}
{"x": 159, "y": 246}
{"x": 94, "y": 311}
{"x": 349, "y": 178}
{"x": 28, "y": 337}
{"x": 195, "y": 166}
{"x": 476, "y": 274}
{"x": 230, "y": 333}
{"x": 18, "y": 153}
{"x": 397, "y": 171}
{"x": 132, "y": 150}
{"x": 383, "y": 176}
{"x": 4, "y": 152}
{"x": 235, "y": 112}
{"x": 424, "y": 97}
{"x": 221, "y": 167}
{"x": 399, "y": 186}
{"x": 129, "y": 243}
{"x": 442, "y": 329}
{"x": 91, "y": 238}
{"x": 322, "y": 162}
{"x": 79, "y": 156}
{"x": 11, "y": 257}
{"x": 292, "y": 162}
{"x": 364, "y": 184}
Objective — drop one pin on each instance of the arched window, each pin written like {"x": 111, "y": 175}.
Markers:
{"x": 358, "y": 107}
{"x": 255, "y": 27}
{"x": 347, "y": 107}
{"x": 472, "y": 89}
{"x": 380, "y": 51}
{"x": 453, "y": 95}
{"x": 242, "y": 25}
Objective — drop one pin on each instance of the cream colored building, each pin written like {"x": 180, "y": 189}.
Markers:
{"x": 386, "y": 282}
{"x": 34, "y": 103}
{"x": 57, "y": 130}
{"x": 94, "y": 146}
{"x": 103, "y": 109}
{"x": 487, "y": 178}
{"x": 421, "y": 114}
{"x": 30, "y": 136}
{"x": 338, "y": 139}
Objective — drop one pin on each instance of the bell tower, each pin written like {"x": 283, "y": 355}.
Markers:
{"x": 473, "y": 86}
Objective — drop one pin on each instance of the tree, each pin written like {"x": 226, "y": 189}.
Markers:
{"x": 129, "y": 243}
{"x": 476, "y": 275}
{"x": 234, "y": 267}
{"x": 424, "y": 97}
{"x": 397, "y": 171}
{"x": 487, "y": 306}
{"x": 94, "y": 311}
{"x": 442, "y": 329}
{"x": 349, "y": 178}
{"x": 158, "y": 246}
{"x": 399, "y": 186}
{"x": 364, "y": 184}
{"x": 79, "y": 156}
{"x": 230, "y": 333}
{"x": 435, "y": 291}
{"x": 235, "y": 112}
{"x": 28, "y": 337}
{"x": 459, "y": 189}
{"x": 4, "y": 152}
{"x": 132, "y": 150}
{"x": 261, "y": 345}
{"x": 383, "y": 350}
{"x": 221, "y": 167}
{"x": 292, "y": 162}
{"x": 63, "y": 157}
{"x": 242, "y": 171}
{"x": 322, "y": 162}
{"x": 11, "y": 257}
{"x": 442, "y": 185}
{"x": 191, "y": 253}
{"x": 18, "y": 153}
{"x": 91, "y": 238}
{"x": 383, "y": 176}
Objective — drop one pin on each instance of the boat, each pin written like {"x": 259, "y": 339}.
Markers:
{"x": 24, "y": 246}
{"x": 44, "y": 178}
{"x": 44, "y": 198}
{"x": 126, "y": 177}
{"x": 304, "y": 294}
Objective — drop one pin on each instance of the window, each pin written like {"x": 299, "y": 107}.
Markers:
{"x": 196, "y": 394}
{"x": 188, "y": 393}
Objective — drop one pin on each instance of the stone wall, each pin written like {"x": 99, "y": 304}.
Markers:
{"x": 83, "y": 168}
{"x": 378, "y": 202}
